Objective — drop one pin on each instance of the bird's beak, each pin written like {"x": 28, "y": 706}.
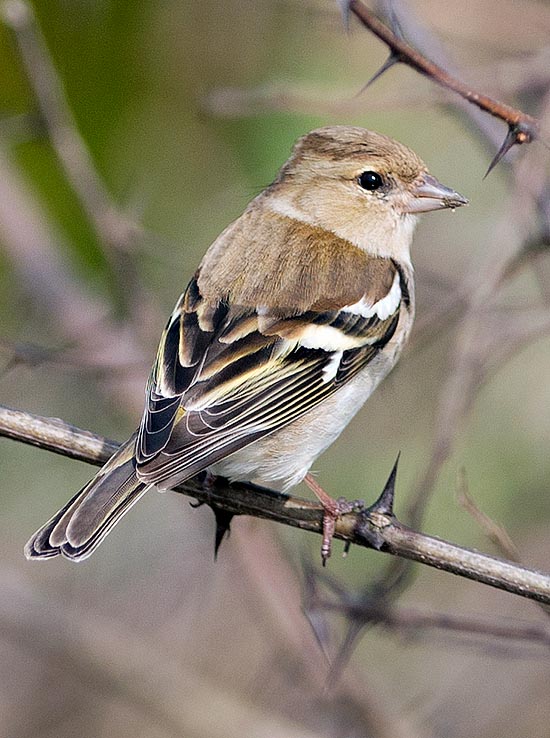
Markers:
{"x": 429, "y": 194}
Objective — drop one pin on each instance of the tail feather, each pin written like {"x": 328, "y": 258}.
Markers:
{"x": 80, "y": 526}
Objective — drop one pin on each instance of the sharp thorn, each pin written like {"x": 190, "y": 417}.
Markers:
{"x": 390, "y": 62}
{"x": 223, "y": 527}
{"x": 384, "y": 504}
{"x": 509, "y": 141}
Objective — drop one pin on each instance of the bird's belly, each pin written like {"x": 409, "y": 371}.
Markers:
{"x": 282, "y": 459}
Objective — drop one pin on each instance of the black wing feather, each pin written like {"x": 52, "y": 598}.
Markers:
{"x": 233, "y": 392}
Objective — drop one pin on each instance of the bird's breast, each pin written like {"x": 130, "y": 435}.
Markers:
{"x": 282, "y": 459}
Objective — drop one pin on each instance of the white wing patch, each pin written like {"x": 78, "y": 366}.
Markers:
{"x": 331, "y": 369}
{"x": 328, "y": 338}
{"x": 383, "y": 308}
{"x": 333, "y": 340}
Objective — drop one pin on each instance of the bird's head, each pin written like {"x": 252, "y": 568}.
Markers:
{"x": 361, "y": 185}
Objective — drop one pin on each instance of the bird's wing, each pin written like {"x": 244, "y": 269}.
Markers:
{"x": 226, "y": 375}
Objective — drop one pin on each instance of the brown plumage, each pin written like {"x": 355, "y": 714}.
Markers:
{"x": 297, "y": 312}
{"x": 312, "y": 269}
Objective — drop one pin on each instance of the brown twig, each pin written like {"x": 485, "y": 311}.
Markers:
{"x": 522, "y": 128}
{"x": 408, "y": 620}
{"x": 375, "y": 527}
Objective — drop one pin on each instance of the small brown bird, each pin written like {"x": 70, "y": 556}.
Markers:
{"x": 296, "y": 313}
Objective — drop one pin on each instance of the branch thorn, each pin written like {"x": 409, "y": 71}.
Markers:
{"x": 223, "y": 526}
{"x": 514, "y": 136}
{"x": 384, "y": 504}
{"x": 392, "y": 59}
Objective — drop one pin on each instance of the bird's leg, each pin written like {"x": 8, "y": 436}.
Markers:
{"x": 332, "y": 509}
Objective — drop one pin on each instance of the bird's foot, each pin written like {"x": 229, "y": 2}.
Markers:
{"x": 332, "y": 511}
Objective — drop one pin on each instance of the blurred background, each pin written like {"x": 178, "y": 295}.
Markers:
{"x": 131, "y": 133}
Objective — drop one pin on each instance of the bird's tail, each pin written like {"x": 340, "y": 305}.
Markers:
{"x": 80, "y": 526}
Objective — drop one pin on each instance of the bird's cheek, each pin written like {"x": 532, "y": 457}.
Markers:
{"x": 402, "y": 204}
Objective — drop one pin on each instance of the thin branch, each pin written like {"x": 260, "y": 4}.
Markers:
{"x": 495, "y": 532}
{"x": 410, "y": 620}
{"x": 523, "y": 127}
{"x": 53, "y": 434}
{"x": 375, "y": 527}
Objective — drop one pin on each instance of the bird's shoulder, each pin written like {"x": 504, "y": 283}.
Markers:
{"x": 268, "y": 260}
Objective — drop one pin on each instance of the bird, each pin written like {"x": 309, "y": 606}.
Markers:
{"x": 297, "y": 311}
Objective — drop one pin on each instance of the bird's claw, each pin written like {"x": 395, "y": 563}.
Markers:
{"x": 332, "y": 512}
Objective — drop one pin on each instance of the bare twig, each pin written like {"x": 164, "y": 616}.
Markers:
{"x": 494, "y": 532}
{"x": 53, "y": 434}
{"x": 375, "y": 527}
{"x": 522, "y": 128}
{"x": 408, "y": 620}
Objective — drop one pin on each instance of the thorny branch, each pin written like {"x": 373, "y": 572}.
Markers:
{"x": 488, "y": 333}
{"x": 376, "y": 527}
{"x": 522, "y": 128}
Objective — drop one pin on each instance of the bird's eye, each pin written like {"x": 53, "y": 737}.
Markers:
{"x": 370, "y": 181}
